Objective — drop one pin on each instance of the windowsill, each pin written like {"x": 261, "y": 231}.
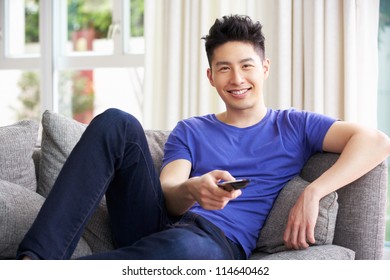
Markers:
{"x": 386, "y": 253}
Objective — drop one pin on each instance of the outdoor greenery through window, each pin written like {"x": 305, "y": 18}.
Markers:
{"x": 32, "y": 23}
{"x": 97, "y": 39}
{"x": 384, "y": 86}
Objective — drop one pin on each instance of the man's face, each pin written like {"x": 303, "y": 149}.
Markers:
{"x": 238, "y": 73}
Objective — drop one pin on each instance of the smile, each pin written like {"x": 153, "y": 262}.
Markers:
{"x": 238, "y": 92}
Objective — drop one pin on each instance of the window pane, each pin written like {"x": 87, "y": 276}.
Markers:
{"x": 19, "y": 96}
{"x": 23, "y": 28}
{"x": 384, "y": 85}
{"x": 86, "y": 93}
{"x": 88, "y": 26}
{"x": 136, "y": 40}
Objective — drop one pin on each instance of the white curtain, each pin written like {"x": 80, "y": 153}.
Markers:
{"x": 323, "y": 57}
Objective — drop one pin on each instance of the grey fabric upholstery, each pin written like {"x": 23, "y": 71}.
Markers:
{"x": 156, "y": 141}
{"x": 16, "y": 147}
{"x": 18, "y": 207}
{"x": 59, "y": 136}
{"x": 271, "y": 236}
{"x": 322, "y": 252}
{"x": 358, "y": 232}
{"x": 361, "y": 218}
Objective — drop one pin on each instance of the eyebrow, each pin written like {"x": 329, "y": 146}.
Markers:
{"x": 219, "y": 63}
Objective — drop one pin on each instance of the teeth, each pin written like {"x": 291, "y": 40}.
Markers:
{"x": 238, "y": 92}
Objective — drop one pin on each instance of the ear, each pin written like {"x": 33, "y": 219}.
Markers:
{"x": 266, "y": 66}
{"x": 210, "y": 76}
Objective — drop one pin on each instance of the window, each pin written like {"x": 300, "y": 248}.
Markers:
{"x": 384, "y": 86}
{"x": 90, "y": 58}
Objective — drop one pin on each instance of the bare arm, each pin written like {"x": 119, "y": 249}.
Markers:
{"x": 181, "y": 192}
{"x": 361, "y": 149}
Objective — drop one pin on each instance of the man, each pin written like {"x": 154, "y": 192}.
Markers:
{"x": 184, "y": 214}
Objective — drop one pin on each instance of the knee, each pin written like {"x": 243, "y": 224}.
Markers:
{"x": 115, "y": 126}
{"x": 117, "y": 119}
{"x": 115, "y": 115}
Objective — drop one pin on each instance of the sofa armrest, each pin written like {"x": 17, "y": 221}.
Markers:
{"x": 361, "y": 218}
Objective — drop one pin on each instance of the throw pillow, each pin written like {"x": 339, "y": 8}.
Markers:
{"x": 18, "y": 209}
{"x": 59, "y": 136}
{"x": 271, "y": 235}
{"x": 16, "y": 149}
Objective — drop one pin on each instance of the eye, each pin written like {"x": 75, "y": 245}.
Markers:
{"x": 223, "y": 69}
{"x": 247, "y": 66}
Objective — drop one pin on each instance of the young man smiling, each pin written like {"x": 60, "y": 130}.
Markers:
{"x": 239, "y": 82}
{"x": 184, "y": 214}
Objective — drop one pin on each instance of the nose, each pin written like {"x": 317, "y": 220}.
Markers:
{"x": 236, "y": 77}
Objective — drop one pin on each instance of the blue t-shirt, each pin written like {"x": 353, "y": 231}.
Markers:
{"x": 269, "y": 153}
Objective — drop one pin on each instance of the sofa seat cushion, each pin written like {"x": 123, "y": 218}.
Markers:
{"x": 271, "y": 235}
{"x": 16, "y": 149}
{"x": 323, "y": 252}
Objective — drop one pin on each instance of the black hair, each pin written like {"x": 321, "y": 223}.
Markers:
{"x": 234, "y": 28}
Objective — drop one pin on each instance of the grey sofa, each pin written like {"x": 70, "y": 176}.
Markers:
{"x": 351, "y": 222}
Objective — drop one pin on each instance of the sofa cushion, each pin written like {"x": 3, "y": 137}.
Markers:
{"x": 271, "y": 235}
{"x": 324, "y": 252}
{"x": 59, "y": 135}
{"x": 16, "y": 149}
{"x": 18, "y": 209}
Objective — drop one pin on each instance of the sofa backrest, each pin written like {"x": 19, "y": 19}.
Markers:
{"x": 156, "y": 141}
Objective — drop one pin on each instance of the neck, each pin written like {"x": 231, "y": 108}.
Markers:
{"x": 243, "y": 118}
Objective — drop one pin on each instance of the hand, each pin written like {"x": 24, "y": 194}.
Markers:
{"x": 205, "y": 191}
{"x": 302, "y": 219}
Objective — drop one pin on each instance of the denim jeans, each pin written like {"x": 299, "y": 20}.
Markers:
{"x": 112, "y": 158}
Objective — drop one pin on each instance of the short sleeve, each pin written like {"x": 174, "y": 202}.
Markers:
{"x": 316, "y": 127}
{"x": 176, "y": 146}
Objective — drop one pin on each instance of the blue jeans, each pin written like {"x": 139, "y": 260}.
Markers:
{"x": 112, "y": 158}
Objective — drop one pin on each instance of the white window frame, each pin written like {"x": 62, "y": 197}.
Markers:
{"x": 53, "y": 58}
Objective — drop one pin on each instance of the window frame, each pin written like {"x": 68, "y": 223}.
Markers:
{"x": 53, "y": 58}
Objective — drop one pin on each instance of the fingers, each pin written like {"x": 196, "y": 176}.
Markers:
{"x": 299, "y": 236}
{"x": 212, "y": 203}
{"x": 310, "y": 235}
{"x": 209, "y": 195}
{"x": 299, "y": 233}
{"x": 295, "y": 239}
{"x": 221, "y": 175}
{"x": 216, "y": 198}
